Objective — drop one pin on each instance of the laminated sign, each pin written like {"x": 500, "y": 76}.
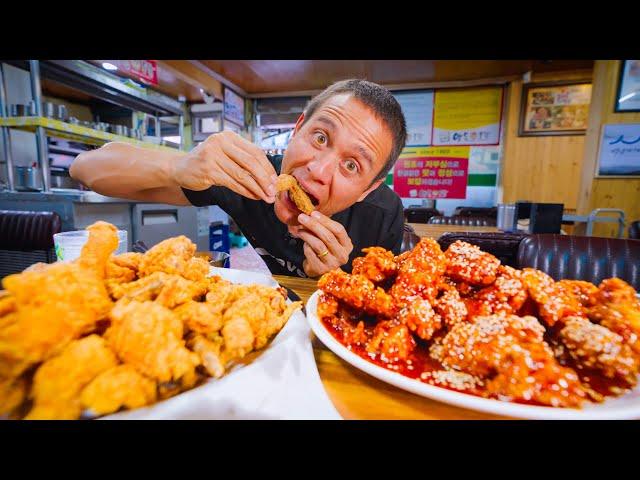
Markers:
{"x": 435, "y": 172}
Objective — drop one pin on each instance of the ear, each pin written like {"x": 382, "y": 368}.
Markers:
{"x": 298, "y": 124}
{"x": 375, "y": 185}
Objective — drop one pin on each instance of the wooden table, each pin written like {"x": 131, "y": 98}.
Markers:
{"x": 436, "y": 230}
{"x": 359, "y": 396}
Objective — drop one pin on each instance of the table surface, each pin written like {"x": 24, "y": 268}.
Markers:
{"x": 359, "y": 396}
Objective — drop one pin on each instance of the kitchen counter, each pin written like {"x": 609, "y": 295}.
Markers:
{"x": 61, "y": 194}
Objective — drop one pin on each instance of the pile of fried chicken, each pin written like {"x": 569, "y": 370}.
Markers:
{"x": 110, "y": 332}
{"x": 492, "y": 330}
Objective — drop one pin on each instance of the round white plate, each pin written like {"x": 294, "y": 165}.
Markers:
{"x": 625, "y": 407}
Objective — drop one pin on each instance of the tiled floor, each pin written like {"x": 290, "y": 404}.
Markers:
{"x": 246, "y": 258}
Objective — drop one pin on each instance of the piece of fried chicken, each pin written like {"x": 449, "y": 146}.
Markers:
{"x": 377, "y": 265}
{"x": 148, "y": 337}
{"x": 13, "y": 392}
{"x": 298, "y": 195}
{"x": 58, "y": 381}
{"x": 55, "y": 304}
{"x": 250, "y": 316}
{"x": 595, "y": 347}
{"x": 467, "y": 263}
{"x": 123, "y": 268}
{"x": 173, "y": 256}
{"x": 509, "y": 353}
{"x": 357, "y": 291}
{"x": 419, "y": 273}
{"x": 168, "y": 290}
{"x": 506, "y": 295}
{"x": 119, "y": 387}
{"x": 617, "y": 308}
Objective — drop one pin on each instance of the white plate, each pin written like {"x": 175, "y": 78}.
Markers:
{"x": 625, "y": 407}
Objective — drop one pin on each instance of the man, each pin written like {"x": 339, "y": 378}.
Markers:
{"x": 342, "y": 147}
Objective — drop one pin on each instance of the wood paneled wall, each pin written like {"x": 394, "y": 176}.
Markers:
{"x": 542, "y": 169}
{"x": 606, "y": 193}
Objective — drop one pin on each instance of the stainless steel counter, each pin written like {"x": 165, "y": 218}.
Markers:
{"x": 143, "y": 221}
{"x": 61, "y": 194}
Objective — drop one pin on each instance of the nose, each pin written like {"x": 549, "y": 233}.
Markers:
{"x": 322, "y": 168}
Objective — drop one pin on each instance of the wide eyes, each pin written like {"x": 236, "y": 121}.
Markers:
{"x": 320, "y": 138}
{"x": 351, "y": 166}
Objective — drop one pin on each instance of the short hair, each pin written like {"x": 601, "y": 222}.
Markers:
{"x": 378, "y": 99}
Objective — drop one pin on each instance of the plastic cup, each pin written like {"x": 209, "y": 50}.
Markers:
{"x": 68, "y": 245}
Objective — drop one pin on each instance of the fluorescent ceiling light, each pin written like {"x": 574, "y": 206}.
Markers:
{"x": 109, "y": 66}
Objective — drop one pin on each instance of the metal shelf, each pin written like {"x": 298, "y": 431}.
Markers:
{"x": 65, "y": 150}
{"x": 74, "y": 132}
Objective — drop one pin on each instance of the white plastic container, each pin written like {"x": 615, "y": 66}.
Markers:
{"x": 68, "y": 245}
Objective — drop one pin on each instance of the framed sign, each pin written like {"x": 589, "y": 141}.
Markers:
{"x": 233, "y": 107}
{"x": 470, "y": 116}
{"x": 619, "y": 154}
{"x": 554, "y": 109}
{"x": 628, "y": 97}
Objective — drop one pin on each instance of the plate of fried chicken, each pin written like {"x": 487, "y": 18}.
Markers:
{"x": 119, "y": 334}
{"x": 462, "y": 328}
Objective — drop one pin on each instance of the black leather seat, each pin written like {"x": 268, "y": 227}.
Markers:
{"x": 26, "y": 238}
{"x": 582, "y": 258}
{"x": 465, "y": 221}
{"x": 634, "y": 230}
{"x": 420, "y": 214}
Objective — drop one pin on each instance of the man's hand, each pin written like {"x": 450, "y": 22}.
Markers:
{"x": 226, "y": 159}
{"x": 326, "y": 244}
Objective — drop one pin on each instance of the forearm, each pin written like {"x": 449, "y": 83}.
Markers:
{"x": 127, "y": 171}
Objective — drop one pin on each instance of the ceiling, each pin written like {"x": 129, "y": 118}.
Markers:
{"x": 307, "y": 77}
{"x": 278, "y": 76}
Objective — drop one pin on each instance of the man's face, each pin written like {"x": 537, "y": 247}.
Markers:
{"x": 335, "y": 156}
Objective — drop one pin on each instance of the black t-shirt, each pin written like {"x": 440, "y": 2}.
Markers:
{"x": 375, "y": 221}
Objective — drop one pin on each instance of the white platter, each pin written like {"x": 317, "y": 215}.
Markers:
{"x": 625, "y": 407}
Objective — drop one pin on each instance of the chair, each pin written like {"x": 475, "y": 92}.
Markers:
{"x": 503, "y": 245}
{"x": 581, "y": 258}
{"x": 634, "y": 230}
{"x": 26, "y": 238}
{"x": 419, "y": 214}
{"x": 465, "y": 221}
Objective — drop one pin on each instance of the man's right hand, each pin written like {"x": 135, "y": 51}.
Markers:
{"x": 227, "y": 160}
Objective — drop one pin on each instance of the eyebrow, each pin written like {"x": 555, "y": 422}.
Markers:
{"x": 327, "y": 122}
{"x": 361, "y": 150}
{"x": 365, "y": 154}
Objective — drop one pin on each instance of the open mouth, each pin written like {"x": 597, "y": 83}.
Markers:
{"x": 313, "y": 199}
{"x": 296, "y": 197}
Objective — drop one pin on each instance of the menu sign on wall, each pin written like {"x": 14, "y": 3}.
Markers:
{"x": 417, "y": 108}
{"x": 436, "y": 172}
{"x": 233, "y": 107}
{"x": 467, "y": 117}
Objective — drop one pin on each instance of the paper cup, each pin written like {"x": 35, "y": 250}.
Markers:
{"x": 68, "y": 245}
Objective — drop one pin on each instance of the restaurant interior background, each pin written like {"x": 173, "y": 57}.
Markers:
{"x": 485, "y": 117}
